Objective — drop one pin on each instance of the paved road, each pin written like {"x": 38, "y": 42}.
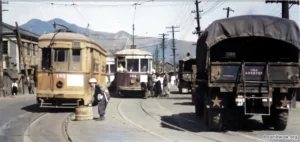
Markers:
{"x": 127, "y": 119}
{"x": 22, "y": 121}
{"x": 166, "y": 119}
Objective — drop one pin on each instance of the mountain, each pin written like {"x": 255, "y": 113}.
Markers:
{"x": 113, "y": 42}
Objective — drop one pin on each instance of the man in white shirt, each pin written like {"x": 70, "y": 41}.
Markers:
{"x": 120, "y": 68}
{"x": 14, "y": 88}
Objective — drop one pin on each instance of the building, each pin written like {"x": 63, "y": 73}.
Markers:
{"x": 13, "y": 63}
{"x": 169, "y": 68}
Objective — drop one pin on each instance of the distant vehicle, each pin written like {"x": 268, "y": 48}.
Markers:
{"x": 185, "y": 74}
{"x": 249, "y": 64}
{"x": 69, "y": 60}
{"x": 133, "y": 79}
{"x": 110, "y": 70}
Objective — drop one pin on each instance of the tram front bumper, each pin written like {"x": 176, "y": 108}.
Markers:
{"x": 129, "y": 88}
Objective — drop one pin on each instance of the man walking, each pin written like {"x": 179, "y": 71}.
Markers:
{"x": 14, "y": 88}
{"x": 166, "y": 84}
{"x": 101, "y": 96}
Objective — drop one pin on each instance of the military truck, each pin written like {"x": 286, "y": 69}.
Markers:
{"x": 185, "y": 74}
{"x": 248, "y": 63}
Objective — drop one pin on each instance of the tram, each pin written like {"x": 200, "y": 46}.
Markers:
{"x": 133, "y": 79}
{"x": 69, "y": 60}
{"x": 110, "y": 70}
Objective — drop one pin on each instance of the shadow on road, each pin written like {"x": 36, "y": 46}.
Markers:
{"x": 183, "y": 121}
{"x": 177, "y": 93}
{"x": 189, "y": 122}
{"x": 184, "y": 103}
{"x": 34, "y": 108}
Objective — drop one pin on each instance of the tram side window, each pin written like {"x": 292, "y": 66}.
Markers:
{"x": 61, "y": 55}
{"x": 76, "y": 55}
{"x": 133, "y": 65}
{"x": 46, "y": 58}
{"x": 144, "y": 65}
{"x": 112, "y": 68}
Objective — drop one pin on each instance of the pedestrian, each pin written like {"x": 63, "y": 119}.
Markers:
{"x": 150, "y": 85}
{"x": 31, "y": 86}
{"x": 166, "y": 83}
{"x": 101, "y": 96}
{"x": 14, "y": 88}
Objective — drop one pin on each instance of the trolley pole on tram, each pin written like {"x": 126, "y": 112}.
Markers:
{"x": 285, "y": 6}
{"x": 163, "y": 49}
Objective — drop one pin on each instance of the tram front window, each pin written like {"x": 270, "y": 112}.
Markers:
{"x": 61, "y": 55}
{"x": 133, "y": 65}
{"x": 46, "y": 58}
{"x": 144, "y": 65}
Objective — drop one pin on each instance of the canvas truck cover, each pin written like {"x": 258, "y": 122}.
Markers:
{"x": 244, "y": 26}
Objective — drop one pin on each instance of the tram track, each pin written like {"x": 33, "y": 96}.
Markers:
{"x": 64, "y": 127}
{"x": 197, "y": 123}
{"x": 138, "y": 126}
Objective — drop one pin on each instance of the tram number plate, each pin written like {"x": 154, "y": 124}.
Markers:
{"x": 60, "y": 76}
{"x": 133, "y": 76}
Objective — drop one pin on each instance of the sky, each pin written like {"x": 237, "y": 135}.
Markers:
{"x": 150, "y": 18}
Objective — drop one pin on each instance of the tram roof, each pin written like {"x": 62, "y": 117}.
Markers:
{"x": 129, "y": 52}
{"x": 251, "y": 26}
{"x": 69, "y": 36}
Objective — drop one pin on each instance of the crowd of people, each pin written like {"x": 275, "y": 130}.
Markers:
{"x": 159, "y": 84}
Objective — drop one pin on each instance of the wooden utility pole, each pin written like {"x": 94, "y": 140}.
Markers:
{"x": 156, "y": 59}
{"x": 198, "y": 28}
{"x": 163, "y": 49}
{"x": 285, "y": 6}
{"x": 228, "y": 9}
{"x": 1, "y": 51}
{"x": 174, "y": 49}
{"x": 21, "y": 50}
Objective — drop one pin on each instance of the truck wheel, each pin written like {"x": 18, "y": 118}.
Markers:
{"x": 180, "y": 90}
{"x": 120, "y": 94}
{"x": 280, "y": 119}
{"x": 267, "y": 121}
{"x": 205, "y": 116}
{"x": 193, "y": 97}
{"x": 199, "y": 104}
{"x": 214, "y": 119}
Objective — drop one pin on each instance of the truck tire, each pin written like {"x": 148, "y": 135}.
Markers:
{"x": 199, "y": 104}
{"x": 280, "y": 119}
{"x": 180, "y": 90}
{"x": 214, "y": 119}
{"x": 193, "y": 96}
{"x": 267, "y": 121}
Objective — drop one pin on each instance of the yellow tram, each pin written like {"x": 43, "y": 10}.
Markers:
{"x": 133, "y": 67}
{"x": 69, "y": 60}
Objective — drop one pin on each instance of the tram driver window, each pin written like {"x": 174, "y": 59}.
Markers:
{"x": 61, "y": 55}
{"x": 144, "y": 65}
{"x": 133, "y": 65}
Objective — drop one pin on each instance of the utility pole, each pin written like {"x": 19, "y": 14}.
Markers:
{"x": 228, "y": 10}
{"x": 1, "y": 51}
{"x": 198, "y": 29}
{"x": 174, "y": 49}
{"x": 156, "y": 59}
{"x": 21, "y": 50}
{"x": 285, "y": 6}
{"x": 163, "y": 49}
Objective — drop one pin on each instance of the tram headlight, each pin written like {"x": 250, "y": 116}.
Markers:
{"x": 59, "y": 84}
{"x": 132, "y": 81}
